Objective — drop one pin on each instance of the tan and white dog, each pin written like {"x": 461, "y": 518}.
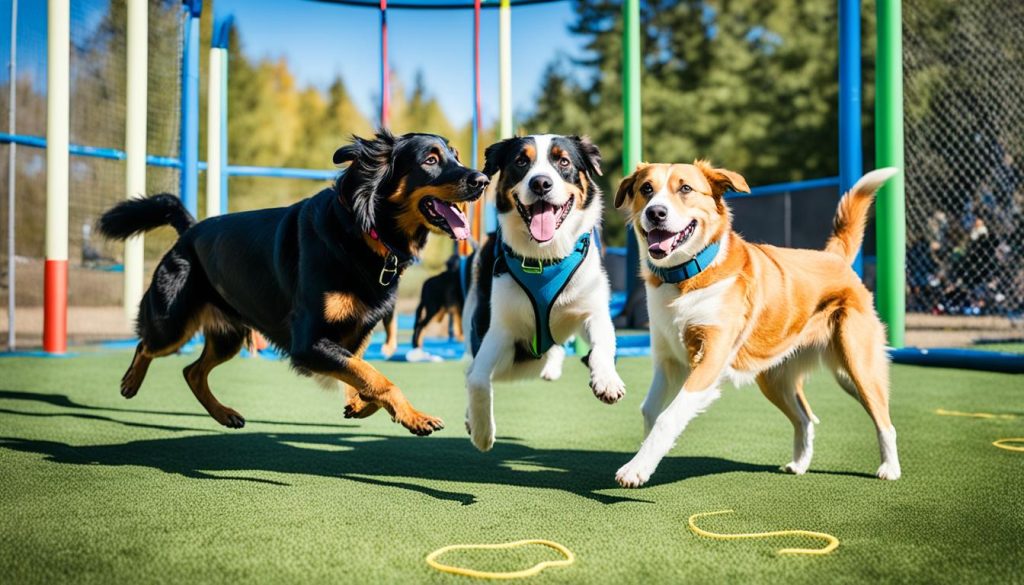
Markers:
{"x": 548, "y": 206}
{"x": 721, "y": 308}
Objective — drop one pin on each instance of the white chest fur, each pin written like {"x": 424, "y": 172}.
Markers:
{"x": 671, "y": 313}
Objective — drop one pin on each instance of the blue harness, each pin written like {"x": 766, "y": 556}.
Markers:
{"x": 688, "y": 269}
{"x": 542, "y": 281}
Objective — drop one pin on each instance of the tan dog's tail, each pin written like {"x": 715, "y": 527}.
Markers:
{"x": 852, "y": 215}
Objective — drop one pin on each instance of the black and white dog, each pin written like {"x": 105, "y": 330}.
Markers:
{"x": 539, "y": 280}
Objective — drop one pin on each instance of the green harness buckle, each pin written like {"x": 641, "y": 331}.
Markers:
{"x": 538, "y": 269}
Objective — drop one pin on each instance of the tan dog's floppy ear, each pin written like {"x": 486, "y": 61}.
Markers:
{"x": 625, "y": 188}
{"x": 722, "y": 180}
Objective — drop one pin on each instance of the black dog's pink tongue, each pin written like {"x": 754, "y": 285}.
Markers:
{"x": 659, "y": 242}
{"x": 542, "y": 221}
{"x": 455, "y": 218}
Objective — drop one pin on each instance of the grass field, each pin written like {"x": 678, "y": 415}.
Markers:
{"x": 96, "y": 489}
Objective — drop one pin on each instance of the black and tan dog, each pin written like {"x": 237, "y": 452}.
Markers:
{"x": 314, "y": 278}
{"x": 442, "y": 295}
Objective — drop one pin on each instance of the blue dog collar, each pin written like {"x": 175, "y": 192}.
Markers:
{"x": 688, "y": 269}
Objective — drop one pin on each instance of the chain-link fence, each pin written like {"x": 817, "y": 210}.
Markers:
{"x": 97, "y": 116}
{"x": 964, "y": 116}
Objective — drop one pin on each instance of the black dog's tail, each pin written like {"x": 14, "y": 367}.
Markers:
{"x": 134, "y": 216}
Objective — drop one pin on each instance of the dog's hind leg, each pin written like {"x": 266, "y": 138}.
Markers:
{"x": 858, "y": 351}
{"x": 355, "y": 406}
{"x": 168, "y": 317}
{"x": 456, "y": 316}
{"x": 132, "y": 379}
{"x": 783, "y": 386}
{"x": 553, "y": 360}
{"x": 220, "y": 347}
{"x": 423, "y": 318}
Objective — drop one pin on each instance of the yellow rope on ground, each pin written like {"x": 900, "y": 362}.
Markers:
{"x": 944, "y": 412}
{"x": 569, "y": 559}
{"x": 833, "y": 542}
{"x": 1002, "y": 444}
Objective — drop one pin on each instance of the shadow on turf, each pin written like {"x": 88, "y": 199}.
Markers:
{"x": 366, "y": 458}
{"x": 66, "y": 402}
{"x": 360, "y": 457}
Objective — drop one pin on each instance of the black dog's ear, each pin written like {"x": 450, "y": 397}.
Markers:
{"x": 371, "y": 166}
{"x": 591, "y": 153}
{"x": 496, "y": 156}
{"x": 347, "y": 153}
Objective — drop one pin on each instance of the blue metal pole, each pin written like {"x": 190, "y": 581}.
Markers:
{"x": 850, "y": 151}
{"x": 190, "y": 108}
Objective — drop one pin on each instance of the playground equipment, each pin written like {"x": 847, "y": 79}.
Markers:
{"x": 182, "y": 72}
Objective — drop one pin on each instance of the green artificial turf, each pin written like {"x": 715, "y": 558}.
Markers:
{"x": 97, "y": 489}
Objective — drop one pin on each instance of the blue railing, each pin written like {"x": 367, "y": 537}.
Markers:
{"x": 172, "y": 162}
{"x": 327, "y": 175}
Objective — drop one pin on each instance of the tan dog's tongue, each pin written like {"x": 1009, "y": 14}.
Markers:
{"x": 660, "y": 240}
{"x": 542, "y": 223}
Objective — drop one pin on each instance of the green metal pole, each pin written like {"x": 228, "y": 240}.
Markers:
{"x": 890, "y": 293}
{"x": 631, "y": 138}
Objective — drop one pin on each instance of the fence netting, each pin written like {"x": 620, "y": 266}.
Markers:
{"x": 964, "y": 123}
{"x": 97, "y": 116}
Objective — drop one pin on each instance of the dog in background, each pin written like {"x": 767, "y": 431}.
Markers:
{"x": 724, "y": 308}
{"x": 539, "y": 280}
{"x": 442, "y": 295}
{"x": 314, "y": 278}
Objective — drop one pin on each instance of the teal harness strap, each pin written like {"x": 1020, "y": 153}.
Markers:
{"x": 542, "y": 281}
{"x": 688, "y": 269}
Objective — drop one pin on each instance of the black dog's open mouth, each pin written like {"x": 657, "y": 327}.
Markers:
{"x": 543, "y": 218}
{"x": 661, "y": 243}
{"x": 446, "y": 216}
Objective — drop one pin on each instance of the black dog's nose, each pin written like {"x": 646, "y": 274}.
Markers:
{"x": 657, "y": 213}
{"x": 478, "y": 181}
{"x": 541, "y": 184}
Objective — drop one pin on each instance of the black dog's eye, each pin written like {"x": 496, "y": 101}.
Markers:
{"x": 646, "y": 189}
{"x": 564, "y": 162}
{"x": 431, "y": 160}
{"x": 522, "y": 160}
{"x": 685, "y": 189}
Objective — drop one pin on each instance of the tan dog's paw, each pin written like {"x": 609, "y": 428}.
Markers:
{"x": 421, "y": 424}
{"x": 609, "y": 388}
{"x": 228, "y": 417}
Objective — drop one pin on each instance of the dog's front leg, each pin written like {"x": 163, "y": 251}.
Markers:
{"x": 604, "y": 380}
{"x": 698, "y": 392}
{"x": 324, "y": 356}
{"x": 496, "y": 354}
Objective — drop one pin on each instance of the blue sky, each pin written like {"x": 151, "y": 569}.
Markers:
{"x": 322, "y": 40}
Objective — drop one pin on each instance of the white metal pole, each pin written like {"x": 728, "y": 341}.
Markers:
{"x": 135, "y": 146}
{"x": 58, "y": 105}
{"x": 12, "y": 126}
{"x": 214, "y": 127}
